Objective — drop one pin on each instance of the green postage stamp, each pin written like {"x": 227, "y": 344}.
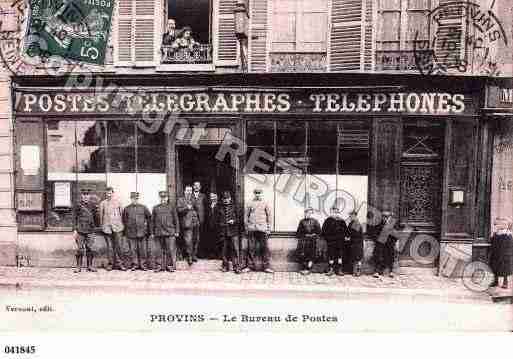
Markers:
{"x": 73, "y": 29}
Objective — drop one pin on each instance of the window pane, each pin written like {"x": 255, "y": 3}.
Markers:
{"x": 123, "y": 184}
{"x": 352, "y": 193}
{"x": 419, "y": 4}
{"x": 312, "y": 32}
{"x": 390, "y": 5}
{"x": 290, "y": 205}
{"x": 121, "y": 159}
{"x": 389, "y": 26}
{"x": 151, "y": 133}
{"x": 90, "y": 146}
{"x": 121, "y": 133}
{"x": 354, "y": 139}
{"x": 61, "y": 150}
{"x": 291, "y": 133}
{"x": 260, "y": 133}
{"x": 260, "y": 160}
{"x": 417, "y": 24}
{"x": 151, "y": 159}
{"x": 322, "y": 133}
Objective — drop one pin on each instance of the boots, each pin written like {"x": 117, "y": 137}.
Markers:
{"x": 357, "y": 269}
{"x": 505, "y": 283}
{"x": 90, "y": 267}
{"x": 78, "y": 269}
{"x": 340, "y": 269}
{"x": 330, "y": 270}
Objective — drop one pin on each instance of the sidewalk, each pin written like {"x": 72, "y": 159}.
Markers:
{"x": 412, "y": 286}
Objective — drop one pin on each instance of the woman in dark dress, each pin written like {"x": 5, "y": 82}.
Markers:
{"x": 308, "y": 232}
{"x": 501, "y": 255}
{"x": 355, "y": 233}
{"x": 334, "y": 232}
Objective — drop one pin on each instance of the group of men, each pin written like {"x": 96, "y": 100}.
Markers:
{"x": 166, "y": 223}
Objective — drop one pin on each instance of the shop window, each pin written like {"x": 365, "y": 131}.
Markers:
{"x": 93, "y": 155}
{"x": 308, "y": 170}
{"x": 188, "y": 34}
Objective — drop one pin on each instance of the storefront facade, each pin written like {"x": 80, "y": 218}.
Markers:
{"x": 411, "y": 144}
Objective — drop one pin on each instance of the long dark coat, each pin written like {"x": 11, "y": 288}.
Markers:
{"x": 356, "y": 235}
{"x": 501, "y": 256}
{"x": 308, "y": 232}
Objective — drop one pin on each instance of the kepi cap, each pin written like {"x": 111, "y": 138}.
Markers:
{"x": 134, "y": 195}
{"x": 163, "y": 194}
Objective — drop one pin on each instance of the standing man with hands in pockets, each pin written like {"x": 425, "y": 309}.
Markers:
{"x": 166, "y": 229}
{"x": 189, "y": 223}
{"x": 258, "y": 228}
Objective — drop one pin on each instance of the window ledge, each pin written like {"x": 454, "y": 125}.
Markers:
{"x": 185, "y": 67}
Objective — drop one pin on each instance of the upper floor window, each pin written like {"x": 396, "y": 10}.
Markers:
{"x": 400, "y": 23}
{"x": 299, "y": 26}
{"x": 188, "y": 35}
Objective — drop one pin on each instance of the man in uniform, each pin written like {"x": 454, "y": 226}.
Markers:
{"x": 85, "y": 215}
{"x": 229, "y": 232}
{"x": 189, "y": 223}
{"x": 258, "y": 227}
{"x": 112, "y": 226}
{"x": 200, "y": 205}
{"x": 166, "y": 229}
{"x": 137, "y": 222}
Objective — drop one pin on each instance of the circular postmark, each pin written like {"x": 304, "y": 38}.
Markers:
{"x": 463, "y": 37}
{"x": 25, "y": 52}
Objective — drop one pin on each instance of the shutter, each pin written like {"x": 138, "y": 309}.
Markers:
{"x": 137, "y": 35}
{"x": 258, "y": 36}
{"x": 450, "y": 34}
{"x": 346, "y": 35}
{"x": 123, "y": 33}
{"x": 226, "y": 47}
{"x": 146, "y": 39}
{"x": 369, "y": 40}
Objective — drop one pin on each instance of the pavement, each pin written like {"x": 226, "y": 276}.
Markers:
{"x": 211, "y": 282}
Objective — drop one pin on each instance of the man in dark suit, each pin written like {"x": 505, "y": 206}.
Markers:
{"x": 137, "y": 222}
{"x": 200, "y": 206}
{"x": 215, "y": 245}
{"x": 166, "y": 229}
{"x": 189, "y": 223}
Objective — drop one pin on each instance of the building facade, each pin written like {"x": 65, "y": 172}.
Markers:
{"x": 393, "y": 105}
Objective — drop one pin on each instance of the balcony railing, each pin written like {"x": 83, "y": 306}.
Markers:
{"x": 403, "y": 60}
{"x": 199, "y": 54}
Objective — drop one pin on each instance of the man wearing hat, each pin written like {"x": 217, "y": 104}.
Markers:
{"x": 355, "y": 232}
{"x": 166, "y": 229}
{"x": 334, "y": 232}
{"x": 258, "y": 227}
{"x": 112, "y": 226}
{"x": 229, "y": 232}
{"x": 384, "y": 245}
{"x": 137, "y": 222}
{"x": 85, "y": 216}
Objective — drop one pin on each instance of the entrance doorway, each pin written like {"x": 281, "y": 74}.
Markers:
{"x": 215, "y": 177}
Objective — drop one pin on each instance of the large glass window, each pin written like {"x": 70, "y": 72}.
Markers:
{"x": 96, "y": 154}
{"x": 313, "y": 163}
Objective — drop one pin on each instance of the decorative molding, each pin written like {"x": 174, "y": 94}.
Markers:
{"x": 298, "y": 62}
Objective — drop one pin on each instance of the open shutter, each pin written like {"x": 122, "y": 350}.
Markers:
{"x": 258, "y": 36}
{"x": 124, "y": 33}
{"x": 346, "y": 35}
{"x": 146, "y": 39}
{"x": 225, "y": 42}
